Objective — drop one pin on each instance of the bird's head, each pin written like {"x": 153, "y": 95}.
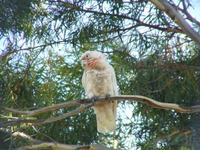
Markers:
{"x": 93, "y": 60}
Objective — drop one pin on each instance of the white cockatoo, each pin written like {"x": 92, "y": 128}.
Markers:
{"x": 99, "y": 81}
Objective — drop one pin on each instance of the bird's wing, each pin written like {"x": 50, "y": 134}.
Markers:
{"x": 85, "y": 82}
{"x": 114, "y": 82}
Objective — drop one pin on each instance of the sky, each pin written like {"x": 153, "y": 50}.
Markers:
{"x": 195, "y": 11}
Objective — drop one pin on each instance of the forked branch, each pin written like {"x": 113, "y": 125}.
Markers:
{"x": 176, "y": 16}
{"x": 85, "y": 104}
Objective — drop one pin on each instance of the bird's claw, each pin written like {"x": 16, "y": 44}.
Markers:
{"x": 94, "y": 98}
{"x": 107, "y": 96}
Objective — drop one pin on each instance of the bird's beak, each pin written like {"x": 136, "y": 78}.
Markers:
{"x": 82, "y": 58}
{"x": 83, "y": 61}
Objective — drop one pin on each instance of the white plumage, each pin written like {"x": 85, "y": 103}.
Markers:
{"x": 99, "y": 80}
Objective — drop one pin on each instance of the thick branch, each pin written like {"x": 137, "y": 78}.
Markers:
{"x": 138, "y": 98}
{"x": 57, "y": 146}
{"x": 178, "y": 19}
{"x": 88, "y": 103}
{"x": 54, "y": 146}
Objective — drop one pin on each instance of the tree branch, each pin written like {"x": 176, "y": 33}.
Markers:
{"x": 44, "y": 109}
{"x": 185, "y": 12}
{"x": 65, "y": 115}
{"x": 26, "y": 137}
{"x": 54, "y": 146}
{"x": 57, "y": 146}
{"x": 13, "y": 122}
{"x": 178, "y": 19}
{"x": 38, "y": 144}
{"x": 13, "y": 50}
{"x": 87, "y": 104}
{"x": 139, "y": 23}
{"x": 169, "y": 66}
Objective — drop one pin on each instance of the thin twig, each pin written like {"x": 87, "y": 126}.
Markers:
{"x": 65, "y": 115}
{"x": 44, "y": 109}
{"x": 26, "y": 137}
{"x": 72, "y": 7}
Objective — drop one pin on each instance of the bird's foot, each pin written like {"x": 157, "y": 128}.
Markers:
{"x": 94, "y": 99}
{"x": 107, "y": 96}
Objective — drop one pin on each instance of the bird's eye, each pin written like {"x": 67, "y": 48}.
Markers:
{"x": 86, "y": 56}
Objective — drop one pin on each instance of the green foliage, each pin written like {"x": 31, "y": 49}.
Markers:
{"x": 41, "y": 67}
{"x": 17, "y": 16}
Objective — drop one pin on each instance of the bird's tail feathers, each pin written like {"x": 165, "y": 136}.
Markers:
{"x": 106, "y": 116}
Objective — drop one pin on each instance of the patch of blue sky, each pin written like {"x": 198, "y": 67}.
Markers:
{"x": 195, "y": 9}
